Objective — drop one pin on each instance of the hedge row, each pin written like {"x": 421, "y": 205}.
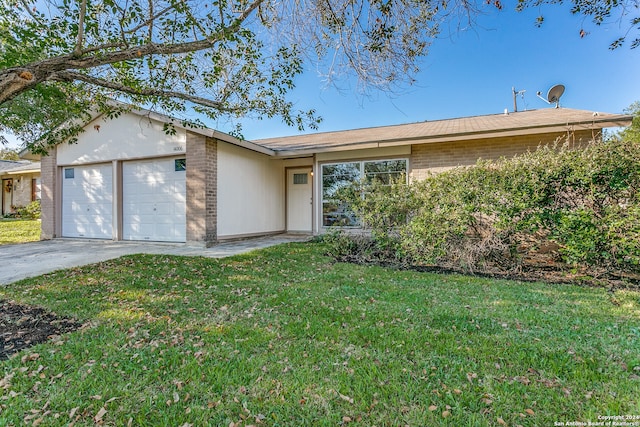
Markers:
{"x": 555, "y": 207}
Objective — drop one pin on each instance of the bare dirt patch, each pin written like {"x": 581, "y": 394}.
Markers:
{"x": 22, "y": 326}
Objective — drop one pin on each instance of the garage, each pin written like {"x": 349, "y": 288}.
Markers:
{"x": 87, "y": 201}
{"x": 154, "y": 200}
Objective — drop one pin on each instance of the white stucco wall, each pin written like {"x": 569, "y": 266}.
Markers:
{"x": 250, "y": 192}
{"x": 129, "y": 136}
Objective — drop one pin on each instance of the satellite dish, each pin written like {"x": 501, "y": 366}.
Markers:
{"x": 554, "y": 94}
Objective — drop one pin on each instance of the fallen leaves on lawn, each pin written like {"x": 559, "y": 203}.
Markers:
{"x": 346, "y": 398}
{"x": 5, "y": 383}
{"x": 30, "y": 357}
{"x": 101, "y": 413}
{"x": 73, "y": 411}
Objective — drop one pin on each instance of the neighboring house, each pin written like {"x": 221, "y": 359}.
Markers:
{"x": 126, "y": 179}
{"x": 20, "y": 184}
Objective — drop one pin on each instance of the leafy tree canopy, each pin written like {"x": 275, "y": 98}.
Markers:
{"x": 66, "y": 59}
{"x": 632, "y": 133}
{"x": 8, "y": 154}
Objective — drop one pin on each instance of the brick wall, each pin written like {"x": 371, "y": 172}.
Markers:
{"x": 202, "y": 181}
{"x": 438, "y": 157}
{"x": 48, "y": 179}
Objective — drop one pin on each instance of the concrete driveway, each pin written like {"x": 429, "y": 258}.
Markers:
{"x": 36, "y": 258}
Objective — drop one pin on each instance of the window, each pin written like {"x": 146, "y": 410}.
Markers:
{"x": 340, "y": 175}
{"x": 35, "y": 189}
{"x": 180, "y": 165}
{"x": 300, "y": 178}
{"x": 68, "y": 173}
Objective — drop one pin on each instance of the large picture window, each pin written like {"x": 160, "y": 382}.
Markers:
{"x": 339, "y": 175}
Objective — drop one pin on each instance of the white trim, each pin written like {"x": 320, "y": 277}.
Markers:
{"x": 20, "y": 172}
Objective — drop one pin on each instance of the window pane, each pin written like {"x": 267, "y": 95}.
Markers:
{"x": 68, "y": 173}
{"x": 180, "y": 165}
{"x": 338, "y": 214}
{"x": 385, "y": 166}
{"x": 335, "y": 177}
{"x": 385, "y": 171}
{"x": 340, "y": 175}
{"x": 300, "y": 178}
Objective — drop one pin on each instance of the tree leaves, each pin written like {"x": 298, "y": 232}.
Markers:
{"x": 143, "y": 53}
{"x": 599, "y": 12}
{"x": 230, "y": 60}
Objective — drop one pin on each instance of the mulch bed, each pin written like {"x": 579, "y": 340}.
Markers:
{"x": 22, "y": 326}
{"x": 531, "y": 271}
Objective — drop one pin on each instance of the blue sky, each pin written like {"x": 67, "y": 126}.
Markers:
{"x": 471, "y": 72}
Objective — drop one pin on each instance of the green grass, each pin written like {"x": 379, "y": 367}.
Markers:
{"x": 19, "y": 231}
{"x": 285, "y": 337}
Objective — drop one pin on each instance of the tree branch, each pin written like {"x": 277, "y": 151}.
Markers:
{"x": 79, "y": 41}
{"x": 102, "y": 47}
{"x": 69, "y": 76}
{"x": 14, "y": 81}
{"x": 66, "y": 62}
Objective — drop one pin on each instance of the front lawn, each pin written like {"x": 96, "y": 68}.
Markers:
{"x": 19, "y": 231}
{"x": 285, "y": 337}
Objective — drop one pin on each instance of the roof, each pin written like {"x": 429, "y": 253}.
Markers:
{"x": 548, "y": 120}
{"x": 11, "y": 167}
{"x": 6, "y": 165}
{"x": 467, "y": 128}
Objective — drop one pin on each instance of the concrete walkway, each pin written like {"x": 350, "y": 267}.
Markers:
{"x": 36, "y": 258}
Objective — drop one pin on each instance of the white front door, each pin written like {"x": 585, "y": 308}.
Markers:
{"x": 299, "y": 199}
{"x": 154, "y": 200}
{"x": 87, "y": 201}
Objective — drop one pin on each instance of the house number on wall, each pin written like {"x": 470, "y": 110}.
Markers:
{"x": 178, "y": 148}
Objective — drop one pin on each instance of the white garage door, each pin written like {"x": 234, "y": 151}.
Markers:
{"x": 154, "y": 200}
{"x": 87, "y": 197}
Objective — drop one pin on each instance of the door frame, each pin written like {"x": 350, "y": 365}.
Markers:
{"x": 309, "y": 169}
{"x": 5, "y": 181}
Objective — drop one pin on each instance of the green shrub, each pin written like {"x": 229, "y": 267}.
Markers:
{"x": 31, "y": 211}
{"x": 583, "y": 203}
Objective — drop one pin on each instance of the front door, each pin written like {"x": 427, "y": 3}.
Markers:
{"x": 299, "y": 207}
{"x": 7, "y": 188}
